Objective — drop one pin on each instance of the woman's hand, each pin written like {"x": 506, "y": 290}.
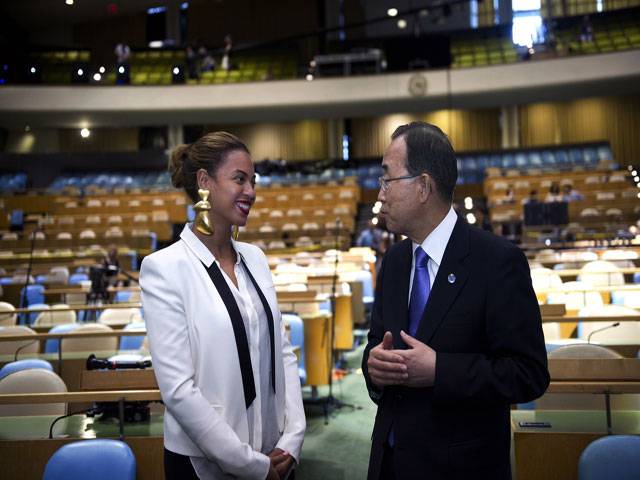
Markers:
{"x": 281, "y": 461}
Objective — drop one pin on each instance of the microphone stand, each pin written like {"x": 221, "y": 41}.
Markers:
{"x": 23, "y": 297}
{"x": 613, "y": 325}
{"x": 331, "y": 402}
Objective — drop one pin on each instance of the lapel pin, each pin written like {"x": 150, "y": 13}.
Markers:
{"x": 451, "y": 278}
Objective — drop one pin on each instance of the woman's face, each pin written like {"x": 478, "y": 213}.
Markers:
{"x": 232, "y": 189}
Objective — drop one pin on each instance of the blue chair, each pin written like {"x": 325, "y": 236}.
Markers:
{"x": 51, "y": 346}
{"x": 132, "y": 343}
{"x": 77, "y": 278}
{"x": 615, "y": 456}
{"x": 98, "y": 459}
{"x": 34, "y": 294}
{"x": 25, "y": 364}
{"x": 122, "y": 297}
{"x": 296, "y": 326}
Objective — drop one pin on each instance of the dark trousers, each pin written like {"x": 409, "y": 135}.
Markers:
{"x": 388, "y": 469}
{"x": 178, "y": 467}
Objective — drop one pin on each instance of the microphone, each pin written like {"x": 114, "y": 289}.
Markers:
{"x": 94, "y": 363}
{"x": 613, "y": 325}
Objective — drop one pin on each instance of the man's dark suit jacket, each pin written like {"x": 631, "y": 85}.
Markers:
{"x": 486, "y": 329}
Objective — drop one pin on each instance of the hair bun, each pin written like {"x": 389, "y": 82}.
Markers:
{"x": 176, "y": 165}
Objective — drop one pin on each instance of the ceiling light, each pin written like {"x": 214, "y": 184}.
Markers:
{"x": 68, "y": 2}
{"x": 471, "y": 218}
{"x": 392, "y": 12}
{"x": 102, "y": 70}
{"x": 374, "y": 220}
{"x": 33, "y": 70}
{"x": 309, "y": 77}
{"x": 402, "y": 24}
{"x": 121, "y": 70}
{"x": 80, "y": 72}
{"x": 97, "y": 77}
{"x": 27, "y": 128}
{"x": 634, "y": 172}
{"x": 85, "y": 132}
{"x": 176, "y": 70}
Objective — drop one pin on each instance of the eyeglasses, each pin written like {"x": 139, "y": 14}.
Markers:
{"x": 384, "y": 182}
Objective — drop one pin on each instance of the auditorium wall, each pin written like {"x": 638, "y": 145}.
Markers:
{"x": 292, "y": 141}
{"x": 616, "y": 119}
{"x": 468, "y": 130}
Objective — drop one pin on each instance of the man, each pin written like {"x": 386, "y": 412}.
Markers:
{"x": 456, "y": 335}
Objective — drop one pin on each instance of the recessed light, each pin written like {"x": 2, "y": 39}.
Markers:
{"x": 68, "y": 2}
{"x": 402, "y": 24}
{"x": 85, "y": 132}
{"x": 392, "y": 12}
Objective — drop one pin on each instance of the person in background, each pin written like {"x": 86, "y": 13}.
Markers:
{"x": 122, "y": 53}
{"x": 226, "y": 370}
{"x": 226, "y": 54}
{"x": 554, "y": 194}
{"x": 569, "y": 194}
{"x": 532, "y": 198}
{"x": 111, "y": 265}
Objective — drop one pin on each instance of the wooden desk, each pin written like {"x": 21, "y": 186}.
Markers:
{"x": 552, "y": 453}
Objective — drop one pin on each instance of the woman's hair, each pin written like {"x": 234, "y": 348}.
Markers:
{"x": 208, "y": 152}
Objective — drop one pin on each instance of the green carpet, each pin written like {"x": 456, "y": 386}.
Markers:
{"x": 339, "y": 450}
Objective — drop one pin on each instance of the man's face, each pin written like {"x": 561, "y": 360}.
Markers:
{"x": 399, "y": 200}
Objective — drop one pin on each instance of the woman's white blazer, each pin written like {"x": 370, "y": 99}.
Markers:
{"x": 195, "y": 359}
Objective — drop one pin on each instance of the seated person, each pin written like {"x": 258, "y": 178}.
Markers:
{"x": 569, "y": 194}
{"x": 532, "y": 198}
{"x": 554, "y": 194}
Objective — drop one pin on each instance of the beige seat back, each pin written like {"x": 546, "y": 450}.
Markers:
{"x": 55, "y": 317}
{"x": 10, "y": 348}
{"x": 120, "y": 316}
{"x": 34, "y": 380}
{"x": 586, "y": 401}
{"x": 96, "y": 344}
{"x": 7, "y": 317}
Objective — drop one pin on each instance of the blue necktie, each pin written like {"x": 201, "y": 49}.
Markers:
{"x": 420, "y": 290}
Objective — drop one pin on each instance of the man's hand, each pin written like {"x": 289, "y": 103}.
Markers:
{"x": 281, "y": 462}
{"x": 420, "y": 360}
{"x": 273, "y": 474}
{"x": 385, "y": 365}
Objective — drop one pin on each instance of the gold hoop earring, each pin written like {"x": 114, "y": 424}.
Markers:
{"x": 203, "y": 222}
{"x": 236, "y": 232}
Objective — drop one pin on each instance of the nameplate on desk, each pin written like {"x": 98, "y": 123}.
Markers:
{"x": 534, "y": 424}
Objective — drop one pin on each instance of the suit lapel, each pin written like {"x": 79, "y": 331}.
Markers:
{"x": 449, "y": 281}
{"x": 400, "y": 288}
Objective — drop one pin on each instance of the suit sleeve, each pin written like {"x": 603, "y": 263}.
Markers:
{"x": 513, "y": 368}
{"x": 171, "y": 352}
{"x": 376, "y": 332}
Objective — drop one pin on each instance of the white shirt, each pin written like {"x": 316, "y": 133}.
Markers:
{"x": 434, "y": 245}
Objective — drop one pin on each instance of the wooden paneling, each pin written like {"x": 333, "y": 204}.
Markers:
{"x": 292, "y": 141}
{"x": 467, "y": 129}
{"x": 614, "y": 119}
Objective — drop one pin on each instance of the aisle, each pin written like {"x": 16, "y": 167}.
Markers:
{"x": 339, "y": 450}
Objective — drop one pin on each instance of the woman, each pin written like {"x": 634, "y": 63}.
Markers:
{"x": 226, "y": 371}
